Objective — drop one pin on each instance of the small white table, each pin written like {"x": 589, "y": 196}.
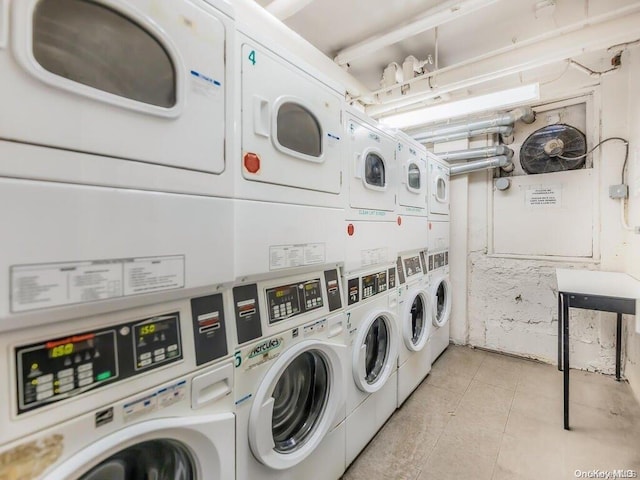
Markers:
{"x": 593, "y": 290}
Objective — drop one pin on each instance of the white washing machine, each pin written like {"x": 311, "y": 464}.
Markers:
{"x": 142, "y": 393}
{"x": 439, "y": 189}
{"x": 112, "y": 210}
{"x": 439, "y": 287}
{"x": 290, "y": 378}
{"x": 374, "y": 336}
{"x": 290, "y": 207}
{"x": 372, "y": 177}
{"x": 412, "y": 206}
{"x": 414, "y": 311}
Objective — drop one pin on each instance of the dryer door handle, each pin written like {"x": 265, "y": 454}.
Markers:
{"x": 261, "y": 116}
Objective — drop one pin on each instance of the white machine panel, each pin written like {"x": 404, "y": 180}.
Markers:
{"x": 69, "y": 85}
{"x": 438, "y": 188}
{"x": 372, "y": 168}
{"x": 92, "y": 246}
{"x": 291, "y": 125}
{"x": 412, "y": 184}
{"x": 370, "y": 243}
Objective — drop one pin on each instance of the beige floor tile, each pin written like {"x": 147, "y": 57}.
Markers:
{"x": 500, "y": 371}
{"x": 541, "y": 379}
{"x": 471, "y": 438}
{"x": 460, "y": 360}
{"x": 485, "y": 405}
{"x": 450, "y": 381}
{"x": 501, "y": 473}
{"x": 447, "y": 463}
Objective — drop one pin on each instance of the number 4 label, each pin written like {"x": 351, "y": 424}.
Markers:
{"x": 252, "y": 57}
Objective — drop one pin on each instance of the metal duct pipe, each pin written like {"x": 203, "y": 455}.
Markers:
{"x": 503, "y": 130}
{"x": 500, "y": 161}
{"x": 524, "y": 114}
{"x": 473, "y": 153}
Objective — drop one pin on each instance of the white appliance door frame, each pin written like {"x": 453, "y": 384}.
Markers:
{"x": 409, "y": 196}
{"x": 407, "y": 330}
{"x": 260, "y": 418}
{"x": 206, "y": 437}
{"x": 446, "y": 313}
{"x": 360, "y": 351}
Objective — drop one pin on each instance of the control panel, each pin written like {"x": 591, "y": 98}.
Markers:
{"x": 412, "y": 265}
{"x": 287, "y": 301}
{"x": 374, "y": 284}
{"x": 60, "y": 368}
{"x": 438, "y": 260}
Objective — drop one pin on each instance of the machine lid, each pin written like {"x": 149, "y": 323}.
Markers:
{"x": 161, "y": 459}
{"x": 375, "y": 351}
{"x": 296, "y": 404}
{"x": 415, "y": 324}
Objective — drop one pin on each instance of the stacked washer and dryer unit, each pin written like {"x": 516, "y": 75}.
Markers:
{"x": 287, "y": 299}
{"x": 116, "y": 344}
{"x": 438, "y": 258}
{"x": 414, "y": 309}
{"x": 370, "y": 279}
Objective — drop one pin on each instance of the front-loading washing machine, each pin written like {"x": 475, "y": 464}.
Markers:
{"x": 141, "y": 393}
{"x": 374, "y": 335}
{"x": 414, "y": 311}
{"x": 114, "y": 158}
{"x": 290, "y": 378}
{"x": 439, "y": 287}
{"x": 371, "y": 172}
{"x": 412, "y": 206}
{"x": 439, "y": 189}
{"x": 289, "y": 188}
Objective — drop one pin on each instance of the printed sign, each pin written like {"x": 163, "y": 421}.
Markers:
{"x": 289, "y": 256}
{"x": 544, "y": 196}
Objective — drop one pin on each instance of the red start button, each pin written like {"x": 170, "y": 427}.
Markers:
{"x": 251, "y": 162}
{"x": 350, "y": 229}
{"x": 399, "y": 220}
{"x": 429, "y": 225}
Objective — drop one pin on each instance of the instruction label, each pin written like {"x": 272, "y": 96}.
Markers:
{"x": 56, "y": 284}
{"x": 288, "y": 256}
{"x": 373, "y": 256}
{"x": 544, "y": 196}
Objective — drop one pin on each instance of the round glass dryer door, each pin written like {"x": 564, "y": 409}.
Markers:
{"x": 416, "y": 326}
{"x": 441, "y": 302}
{"x": 300, "y": 397}
{"x": 161, "y": 459}
{"x": 375, "y": 351}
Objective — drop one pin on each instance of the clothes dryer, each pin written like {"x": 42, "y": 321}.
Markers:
{"x": 440, "y": 288}
{"x": 113, "y": 157}
{"x": 414, "y": 310}
{"x": 374, "y": 335}
{"x": 412, "y": 205}
{"x": 290, "y": 207}
{"x": 371, "y": 172}
{"x": 290, "y": 378}
{"x": 439, "y": 188}
{"x": 138, "y": 393}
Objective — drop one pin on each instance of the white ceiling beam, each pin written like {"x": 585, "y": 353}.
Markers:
{"x": 438, "y": 15}
{"x": 591, "y": 34}
{"x": 283, "y": 9}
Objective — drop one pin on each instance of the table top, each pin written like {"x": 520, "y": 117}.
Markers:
{"x": 598, "y": 282}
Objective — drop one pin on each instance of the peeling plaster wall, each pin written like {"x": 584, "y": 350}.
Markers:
{"x": 512, "y": 302}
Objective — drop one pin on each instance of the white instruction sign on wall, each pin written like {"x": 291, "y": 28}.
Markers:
{"x": 56, "y": 284}
{"x": 541, "y": 196}
{"x": 373, "y": 256}
{"x": 289, "y": 256}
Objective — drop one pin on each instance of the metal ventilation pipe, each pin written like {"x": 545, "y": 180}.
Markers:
{"x": 500, "y": 161}
{"x": 473, "y": 153}
{"x": 524, "y": 114}
{"x": 503, "y": 130}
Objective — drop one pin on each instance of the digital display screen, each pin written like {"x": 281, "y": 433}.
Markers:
{"x": 70, "y": 345}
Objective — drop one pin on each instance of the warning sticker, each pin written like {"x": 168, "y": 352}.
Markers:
{"x": 55, "y": 284}
{"x": 289, "y": 256}
{"x": 544, "y": 196}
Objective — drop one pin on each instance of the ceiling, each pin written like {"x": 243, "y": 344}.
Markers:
{"x": 503, "y": 37}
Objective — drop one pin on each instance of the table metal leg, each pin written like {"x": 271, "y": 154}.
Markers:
{"x": 618, "y": 345}
{"x": 565, "y": 362}
{"x": 559, "y": 331}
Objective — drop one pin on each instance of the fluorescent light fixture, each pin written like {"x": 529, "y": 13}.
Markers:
{"x": 491, "y": 101}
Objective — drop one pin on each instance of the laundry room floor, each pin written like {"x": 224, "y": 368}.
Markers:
{"x": 481, "y": 415}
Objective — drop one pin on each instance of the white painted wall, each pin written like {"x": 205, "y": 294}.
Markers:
{"x": 511, "y": 303}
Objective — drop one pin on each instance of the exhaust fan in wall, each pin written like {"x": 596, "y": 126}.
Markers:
{"x": 553, "y": 148}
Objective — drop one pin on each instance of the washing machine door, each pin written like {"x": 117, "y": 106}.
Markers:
{"x": 375, "y": 351}
{"x": 439, "y": 186}
{"x": 413, "y": 183}
{"x": 296, "y": 404}
{"x": 415, "y": 323}
{"x": 441, "y": 301}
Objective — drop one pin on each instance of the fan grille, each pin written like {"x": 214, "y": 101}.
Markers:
{"x": 567, "y": 144}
